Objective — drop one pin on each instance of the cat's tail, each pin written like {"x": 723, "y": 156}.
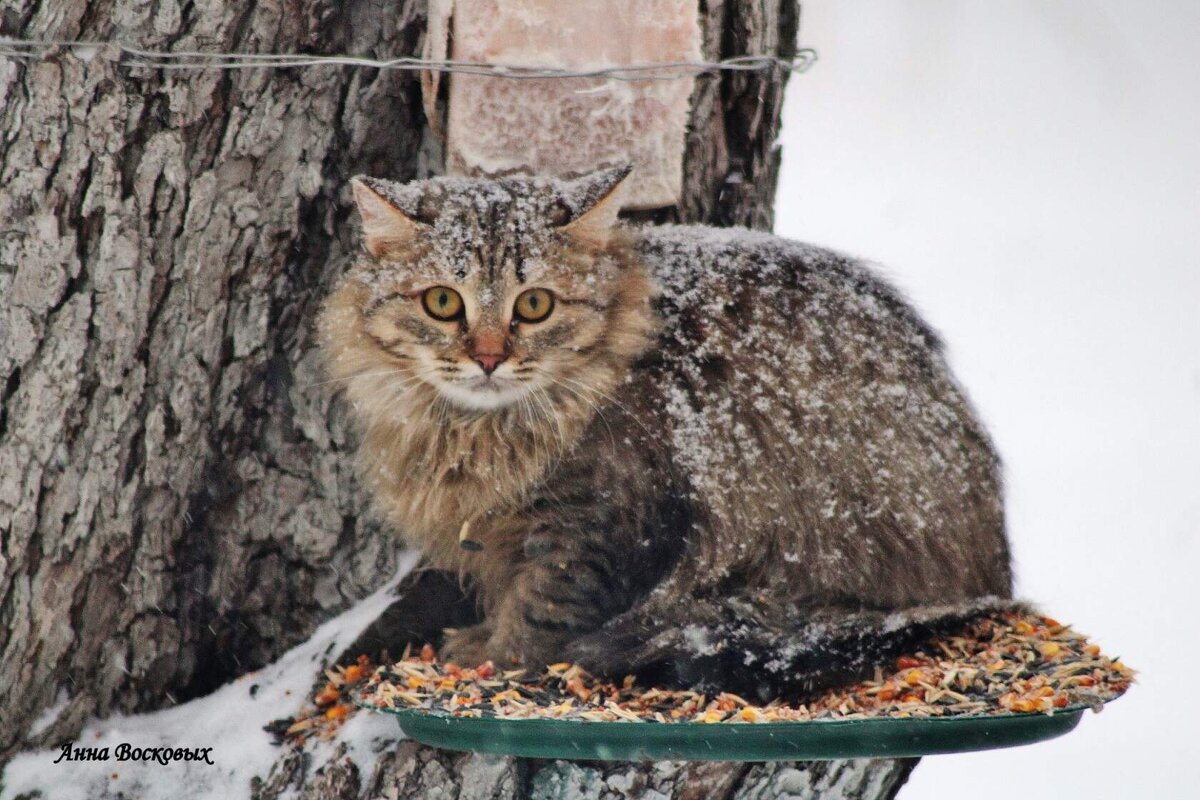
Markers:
{"x": 729, "y": 644}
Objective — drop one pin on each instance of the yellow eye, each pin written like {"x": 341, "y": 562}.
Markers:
{"x": 533, "y": 305}
{"x": 442, "y": 302}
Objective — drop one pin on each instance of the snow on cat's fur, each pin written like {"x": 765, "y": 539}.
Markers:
{"x": 716, "y": 436}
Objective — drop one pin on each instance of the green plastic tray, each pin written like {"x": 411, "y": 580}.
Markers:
{"x": 882, "y": 737}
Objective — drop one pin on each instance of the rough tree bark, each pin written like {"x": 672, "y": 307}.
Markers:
{"x": 176, "y": 502}
{"x": 414, "y": 771}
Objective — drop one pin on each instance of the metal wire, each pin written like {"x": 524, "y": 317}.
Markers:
{"x": 133, "y": 57}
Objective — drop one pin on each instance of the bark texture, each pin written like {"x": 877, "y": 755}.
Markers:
{"x": 177, "y": 504}
{"x": 175, "y": 498}
{"x": 412, "y": 771}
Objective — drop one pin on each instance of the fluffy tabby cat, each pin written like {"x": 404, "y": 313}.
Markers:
{"x": 709, "y": 457}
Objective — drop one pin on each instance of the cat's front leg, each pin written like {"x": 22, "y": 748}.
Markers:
{"x": 569, "y": 583}
{"x": 467, "y": 647}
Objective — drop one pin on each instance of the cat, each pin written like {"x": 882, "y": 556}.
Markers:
{"x": 706, "y": 457}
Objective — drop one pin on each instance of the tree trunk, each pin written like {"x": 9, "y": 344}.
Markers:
{"x": 412, "y": 770}
{"x": 177, "y": 500}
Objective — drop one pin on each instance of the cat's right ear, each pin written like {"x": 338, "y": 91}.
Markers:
{"x": 385, "y": 228}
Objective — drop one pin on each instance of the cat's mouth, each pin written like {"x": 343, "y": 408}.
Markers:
{"x": 484, "y": 392}
{"x": 489, "y": 383}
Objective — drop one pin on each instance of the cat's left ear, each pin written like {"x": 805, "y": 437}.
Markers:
{"x": 597, "y": 198}
{"x": 385, "y": 227}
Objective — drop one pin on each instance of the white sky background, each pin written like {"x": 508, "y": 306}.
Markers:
{"x": 1029, "y": 171}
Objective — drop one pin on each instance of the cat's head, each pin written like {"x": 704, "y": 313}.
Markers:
{"x": 490, "y": 291}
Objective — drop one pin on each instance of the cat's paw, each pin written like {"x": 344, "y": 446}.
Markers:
{"x": 467, "y": 647}
{"x": 625, "y": 646}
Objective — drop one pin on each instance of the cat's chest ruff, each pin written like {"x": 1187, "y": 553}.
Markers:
{"x": 439, "y": 478}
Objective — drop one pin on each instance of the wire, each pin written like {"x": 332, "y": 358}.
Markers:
{"x": 133, "y": 57}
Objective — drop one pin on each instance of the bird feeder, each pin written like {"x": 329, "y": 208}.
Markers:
{"x": 1008, "y": 680}
{"x": 694, "y": 741}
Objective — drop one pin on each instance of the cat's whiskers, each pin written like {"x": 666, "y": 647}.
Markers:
{"x": 443, "y": 406}
{"x": 380, "y": 373}
{"x": 399, "y": 392}
{"x": 523, "y": 404}
{"x": 532, "y": 411}
{"x": 608, "y": 398}
{"x": 403, "y": 388}
{"x": 547, "y": 404}
{"x": 596, "y": 408}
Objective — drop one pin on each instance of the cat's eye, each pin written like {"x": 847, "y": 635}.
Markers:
{"x": 442, "y": 302}
{"x": 533, "y": 305}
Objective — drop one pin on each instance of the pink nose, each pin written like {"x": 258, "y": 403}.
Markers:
{"x": 489, "y": 361}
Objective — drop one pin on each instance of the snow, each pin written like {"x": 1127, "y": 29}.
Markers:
{"x": 1029, "y": 173}
{"x": 49, "y": 716}
{"x": 887, "y": 416}
{"x": 230, "y": 721}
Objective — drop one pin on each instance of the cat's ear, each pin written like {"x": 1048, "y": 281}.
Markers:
{"x": 596, "y": 198}
{"x": 385, "y": 227}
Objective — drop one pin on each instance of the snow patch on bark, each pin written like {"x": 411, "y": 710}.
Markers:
{"x": 230, "y": 721}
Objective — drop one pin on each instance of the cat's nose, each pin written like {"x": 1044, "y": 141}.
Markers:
{"x": 489, "y": 361}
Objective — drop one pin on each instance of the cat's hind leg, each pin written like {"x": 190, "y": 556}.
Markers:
{"x": 732, "y": 644}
